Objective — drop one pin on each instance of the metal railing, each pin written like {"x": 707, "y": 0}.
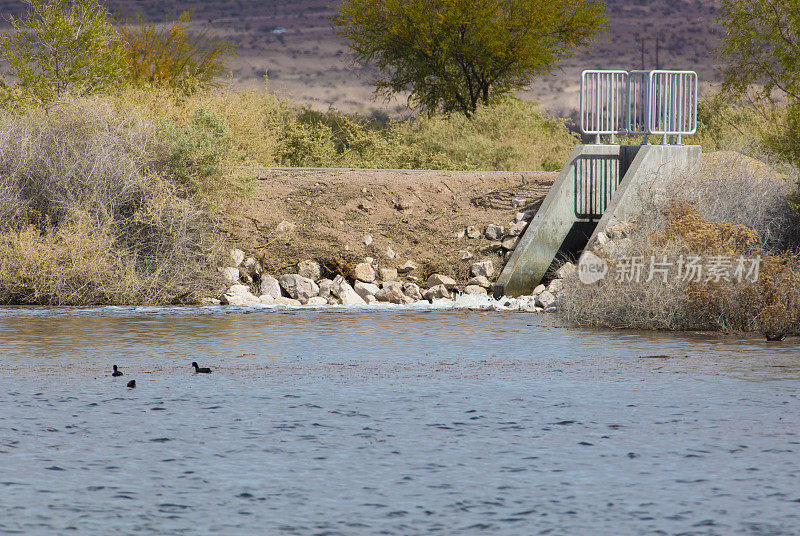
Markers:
{"x": 639, "y": 103}
{"x": 603, "y": 97}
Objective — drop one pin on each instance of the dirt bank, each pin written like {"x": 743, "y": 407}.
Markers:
{"x": 417, "y": 214}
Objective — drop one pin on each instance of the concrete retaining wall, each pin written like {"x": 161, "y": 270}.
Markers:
{"x": 599, "y": 184}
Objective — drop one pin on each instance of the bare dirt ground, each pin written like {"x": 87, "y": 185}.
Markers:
{"x": 415, "y": 213}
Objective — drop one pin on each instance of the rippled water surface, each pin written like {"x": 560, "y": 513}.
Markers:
{"x": 390, "y": 422}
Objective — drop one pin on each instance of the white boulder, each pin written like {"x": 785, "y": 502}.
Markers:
{"x": 545, "y": 300}
{"x": 230, "y": 275}
{"x": 482, "y": 268}
{"x": 412, "y": 291}
{"x": 270, "y": 287}
{"x": 440, "y": 279}
{"x": 310, "y": 270}
{"x": 346, "y": 294}
{"x": 566, "y": 270}
{"x": 406, "y": 267}
{"x": 235, "y": 257}
{"x": 494, "y": 232}
{"x": 474, "y": 290}
{"x": 298, "y": 287}
{"x": 364, "y": 272}
{"x": 325, "y": 286}
{"x": 481, "y": 281}
{"x": 436, "y": 292}
{"x": 365, "y": 289}
{"x": 555, "y": 286}
{"x": 388, "y": 274}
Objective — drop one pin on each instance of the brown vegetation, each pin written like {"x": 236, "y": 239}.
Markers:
{"x": 735, "y": 209}
{"x": 87, "y": 218}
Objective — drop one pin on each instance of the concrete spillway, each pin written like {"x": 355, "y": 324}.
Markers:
{"x": 599, "y": 183}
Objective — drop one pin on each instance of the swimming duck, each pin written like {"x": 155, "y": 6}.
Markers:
{"x": 773, "y": 336}
{"x": 132, "y": 384}
{"x": 201, "y": 370}
{"x": 116, "y": 372}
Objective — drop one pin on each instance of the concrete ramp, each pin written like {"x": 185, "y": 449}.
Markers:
{"x": 599, "y": 183}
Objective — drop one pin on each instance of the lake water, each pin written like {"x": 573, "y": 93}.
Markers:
{"x": 396, "y": 421}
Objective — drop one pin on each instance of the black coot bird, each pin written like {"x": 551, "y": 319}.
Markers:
{"x": 132, "y": 384}
{"x": 200, "y": 370}
{"x": 116, "y": 372}
{"x": 774, "y": 336}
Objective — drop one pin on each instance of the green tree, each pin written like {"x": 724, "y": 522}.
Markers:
{"x": 456, "y": 54}
{"x": 761, "y": 47}
{"x": 63, "y": 46}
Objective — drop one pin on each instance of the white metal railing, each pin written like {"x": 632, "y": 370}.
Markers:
{"x": 603, "y": 96}
{"x": 673, "y": 103}
{"x": 639, "y": 102}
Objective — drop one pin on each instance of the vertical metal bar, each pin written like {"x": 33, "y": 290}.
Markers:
{"x": 605, "y": 102}
{"x": 681, "y": 107}
{"x": 613, "y": 111}
{"x": 663, "y": 105}
{"x": 646, "y": 106}
{"x": 673, "y": 103}
{"x": 596, "y": 108}
{"x": 580, "y": 103}
{"x": 693, "y": 111}
{"x": 602, "y": 103}
{"x": 631, "y": 104}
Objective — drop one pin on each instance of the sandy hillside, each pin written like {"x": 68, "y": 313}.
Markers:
{"x": 292, "y": 42}
{"x": 415, "y": 213}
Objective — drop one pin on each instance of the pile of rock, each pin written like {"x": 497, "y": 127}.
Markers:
{"x": 614, "y": 241}
{"x": 546, "y": 297}
{"x": 501, "y": 239}
{"x": 247, "y": 284}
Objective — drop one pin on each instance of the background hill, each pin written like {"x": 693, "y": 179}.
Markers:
{"x": 292, "y": 42}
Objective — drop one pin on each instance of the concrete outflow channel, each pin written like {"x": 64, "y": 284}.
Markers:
{"x": 599, "y": 184}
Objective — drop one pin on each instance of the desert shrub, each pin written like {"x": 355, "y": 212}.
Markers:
{"x": 725, "y": 124}
{"x": 782, "y": 138}
{"x": 746, "y": 191}
{"x": 259, "y": 128}
{"x": 197, "y": 148}
{"x": 308, "y": 143}
{"x": 88, "y": 217}
{"x": 503, "y": 136}
{"x": 509, "y": 135}
{"x": 174, "y": 56}
{"x": 702, "y": 217}
{"x": 76, "y": 157}
{"x": 72, "y": 263}
{"x": 73, "y": 47}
